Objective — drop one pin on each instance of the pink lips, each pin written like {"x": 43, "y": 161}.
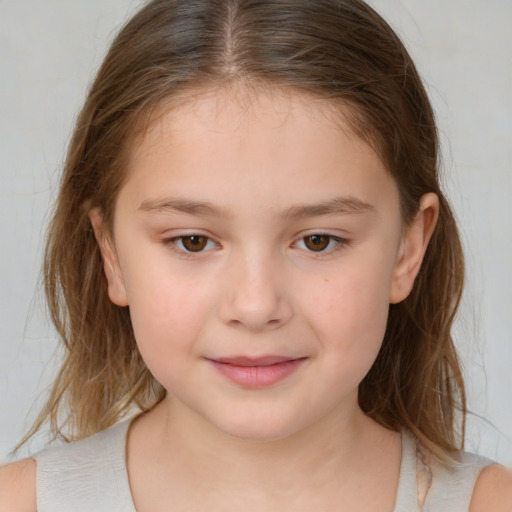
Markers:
{"x": 256, "y": 372}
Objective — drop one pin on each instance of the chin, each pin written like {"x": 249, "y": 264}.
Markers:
{"x": 259, "y": 430}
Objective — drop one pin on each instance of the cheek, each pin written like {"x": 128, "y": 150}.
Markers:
{"x": 167, "y": 314}
{"x": 354, "y": 302}
{"x": 348, "y": 313}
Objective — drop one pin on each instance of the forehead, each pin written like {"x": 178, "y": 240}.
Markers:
{"x": 243, "y": 100}
{"x": 233, "y": 108}
{"x": 281, "y": 140}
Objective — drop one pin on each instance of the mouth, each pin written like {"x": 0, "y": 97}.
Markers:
{"x": 259, "y": 372}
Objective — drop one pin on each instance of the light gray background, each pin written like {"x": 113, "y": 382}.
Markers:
{"x": 463, "y": 49}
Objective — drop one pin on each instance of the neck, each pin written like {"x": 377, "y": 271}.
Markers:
{"x": 334, "y": 445}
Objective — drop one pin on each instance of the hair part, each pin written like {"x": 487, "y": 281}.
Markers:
{"x": 341, "y": 51}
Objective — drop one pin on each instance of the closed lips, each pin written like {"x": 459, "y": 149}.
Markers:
{"x": 257, "y": 361}
{"x": 258, "y": 372}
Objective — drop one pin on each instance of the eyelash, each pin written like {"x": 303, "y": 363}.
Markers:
{"x": 333, "y": 243}
{"x": 177, "y": 241}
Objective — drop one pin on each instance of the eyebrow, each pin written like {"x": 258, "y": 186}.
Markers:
{"x": 173, "y": 205}
{"x": 337, "y": 206}
{"x": 342, "y": 205}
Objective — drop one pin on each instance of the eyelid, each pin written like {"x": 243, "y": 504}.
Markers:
{"x": 174, "y": 243}
{"x": 336, "y": 240}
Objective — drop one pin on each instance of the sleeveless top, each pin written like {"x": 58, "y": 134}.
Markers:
{"x": 91, "y": 476}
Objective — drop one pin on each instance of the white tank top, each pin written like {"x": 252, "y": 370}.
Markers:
{"x": 91, "y": 476}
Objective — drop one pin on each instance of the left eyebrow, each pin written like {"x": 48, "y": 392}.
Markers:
{"x": 337, "y": 206}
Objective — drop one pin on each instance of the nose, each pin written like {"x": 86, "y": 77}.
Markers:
{"x": 255, "y": 295}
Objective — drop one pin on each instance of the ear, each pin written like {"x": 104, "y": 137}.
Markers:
{"x": 115, "y": 281}
{"x": 413, "y": 247}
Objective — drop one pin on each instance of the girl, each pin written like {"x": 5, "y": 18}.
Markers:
{"x": 254, "y": 273}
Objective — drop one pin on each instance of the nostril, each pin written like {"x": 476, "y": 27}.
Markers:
{"x": 255, "y": 301}
{"x": 255, "y": 325}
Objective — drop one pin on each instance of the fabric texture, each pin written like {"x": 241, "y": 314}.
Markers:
{"x": 91, "y": 476}
{"x": 85, "y": 476}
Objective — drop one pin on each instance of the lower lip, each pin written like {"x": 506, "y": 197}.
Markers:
{"x": 258, "y": 376}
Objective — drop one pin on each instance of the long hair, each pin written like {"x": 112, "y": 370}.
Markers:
{"x": 338, "y": 50}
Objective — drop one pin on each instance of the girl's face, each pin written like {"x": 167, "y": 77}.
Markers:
{"x": 258, "y": 245}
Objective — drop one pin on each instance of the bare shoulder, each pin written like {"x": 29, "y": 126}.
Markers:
{"x": 18, "y": 486}
{"x": 493, "y": 490}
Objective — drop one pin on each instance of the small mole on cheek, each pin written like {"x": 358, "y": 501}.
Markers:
{"x": 326, "y": 280}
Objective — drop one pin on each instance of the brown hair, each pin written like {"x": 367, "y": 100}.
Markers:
{"x": 339, "y": 50}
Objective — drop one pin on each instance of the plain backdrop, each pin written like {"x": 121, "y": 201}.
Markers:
{"x": 463, "y": 48}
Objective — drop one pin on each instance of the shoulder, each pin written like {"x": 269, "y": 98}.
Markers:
{"x": 18, "y": 486}
{"x": 90, "y": 471}
{"x": 493, "y": 490}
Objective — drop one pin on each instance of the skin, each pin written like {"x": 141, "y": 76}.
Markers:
{"x": 257, "y": 175}
{"x": 257, "y": 289}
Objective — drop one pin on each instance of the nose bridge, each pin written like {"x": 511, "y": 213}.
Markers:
{"x": 256, "y": 297}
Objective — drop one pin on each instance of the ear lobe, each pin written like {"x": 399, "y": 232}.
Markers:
{"x": 413, "y": 247}
{"x": 115, "y": 281}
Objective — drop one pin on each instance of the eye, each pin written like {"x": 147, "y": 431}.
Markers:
{"x": 319, "y": 242}
{"x": 193, "y": 243}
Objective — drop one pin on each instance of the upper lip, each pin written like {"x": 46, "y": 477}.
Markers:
{"x": 254, "y": 361}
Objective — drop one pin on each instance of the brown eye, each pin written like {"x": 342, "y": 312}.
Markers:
{"x": 194, "y": 243}
{"x": 317, "y": 243}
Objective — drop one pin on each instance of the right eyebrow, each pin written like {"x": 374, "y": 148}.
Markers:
{"x": 175, "y": 205}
